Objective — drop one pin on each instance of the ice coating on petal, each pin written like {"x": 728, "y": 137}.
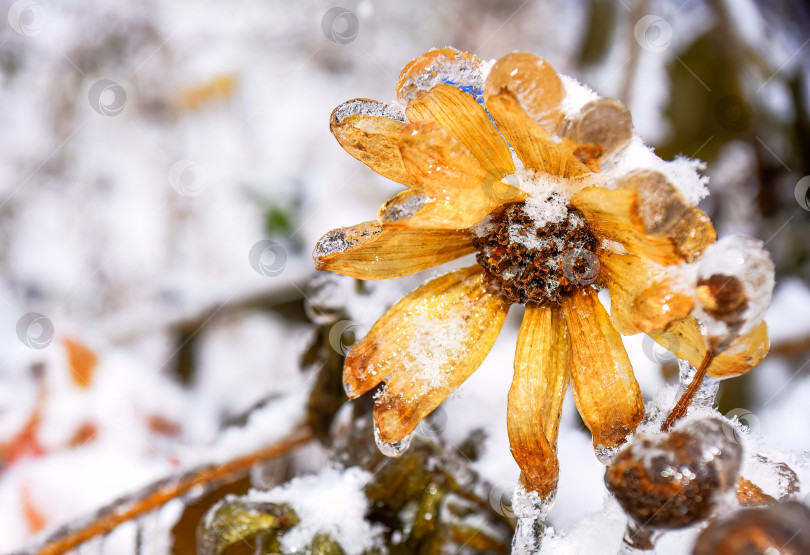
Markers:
{"x": 396, "y": 449}
{"x": 367, "y": 108}
{"x": 736, "y": 269}
{"x": 332, "y": 242}
{"x": 338, "y": 240}
{"x": 605, "y": 454}
{"x": 447, "y": 66}
{"x": 397, "y": 211}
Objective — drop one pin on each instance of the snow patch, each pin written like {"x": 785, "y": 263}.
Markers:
{"x": 332, "y": 502}
{"x": 576, "y": 97}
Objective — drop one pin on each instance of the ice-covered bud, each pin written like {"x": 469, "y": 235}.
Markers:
{"x": 735, "y": 279}
{"x": 783, "y": 528}
{"x": 672, "y": 480}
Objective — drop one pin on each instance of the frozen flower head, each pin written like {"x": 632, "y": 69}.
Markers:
{"x": 550, "y": 187}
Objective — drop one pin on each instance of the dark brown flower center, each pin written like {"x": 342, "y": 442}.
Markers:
{"x": 531, "y": 263}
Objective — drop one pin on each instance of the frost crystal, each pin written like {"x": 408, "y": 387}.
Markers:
{"x": 437, "y": 344}
{"x": 368, "y": 108}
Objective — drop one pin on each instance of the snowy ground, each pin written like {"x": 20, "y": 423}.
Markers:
{"x": 129, "y": 208}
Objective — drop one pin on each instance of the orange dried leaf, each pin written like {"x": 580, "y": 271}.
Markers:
{"x": 219, "y": 88}
{"x": 34, "y": 518}
{"x": 82, "y": 362}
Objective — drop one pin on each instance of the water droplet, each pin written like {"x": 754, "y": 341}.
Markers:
{"x": 395, "y": 449}
{"x": 605, "y": 454}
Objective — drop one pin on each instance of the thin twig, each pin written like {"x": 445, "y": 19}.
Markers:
{"x": 160, "y": 493}
{"x": 679, "y": 411}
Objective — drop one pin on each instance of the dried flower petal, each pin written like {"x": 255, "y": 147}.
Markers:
{"x": 466, "y": 121}
{"x": 533, "y": 82}
{"x": 516, "y": 110}
{"x": 779, "y": 529}
{"x": 536, "y": 396}
{"x": 687, "y": 342}
{"x": 370, "y": 251}
{"x": 425, "y": 347}
{"x": 636, "y": 305}
{"x": 612, "y": 215}
{"x": 664, "y": 212}
{"x": 605, "y": 389}
{"x": 461, "y": 191}
{"x": 369, "y": 131}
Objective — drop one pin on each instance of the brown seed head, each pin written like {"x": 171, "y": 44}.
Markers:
{"x": 672, "y": 480}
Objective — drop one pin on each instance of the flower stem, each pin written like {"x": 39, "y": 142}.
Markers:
{"x": 680, "y": 408}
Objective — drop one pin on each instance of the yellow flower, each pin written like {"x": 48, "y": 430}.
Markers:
{"x": 570, "y": 215}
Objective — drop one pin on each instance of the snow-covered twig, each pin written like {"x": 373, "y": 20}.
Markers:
{"x": 156, "y": 495}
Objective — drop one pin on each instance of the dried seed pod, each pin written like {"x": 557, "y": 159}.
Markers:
{"x": 734, "y": 287}
{"x": 783, "y": 528}
{"x": 673, "y": 480}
